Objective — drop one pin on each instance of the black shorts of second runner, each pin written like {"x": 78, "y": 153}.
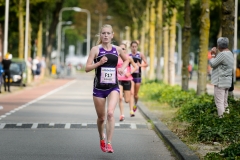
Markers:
{"x": 126, "y": 85}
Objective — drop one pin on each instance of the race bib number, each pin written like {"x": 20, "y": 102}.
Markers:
{"x": 108, "y": 75}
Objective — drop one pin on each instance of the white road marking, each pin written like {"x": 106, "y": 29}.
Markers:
{"x": 117, "y": 124}
{"x": 67, "y": 126}
{"x": 84, "y": 124}
{"x": 2, "y": 125}
{"x": 7, "y": 114}
{"x": 12, "y": 111}
{"x": 51, "y": 124}
{"x": 1, "y": 107}
{"x": 133, "y": 126}
{"x": 19, "y": 124}
{"x": 42, "y": 97}
{"x": 34, "y": 126}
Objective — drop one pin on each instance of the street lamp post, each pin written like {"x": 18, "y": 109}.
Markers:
{"x": 59, "y": 28}
{"x": 76, "y": 9}
{"x": 26, "y": 31}
{"x": 179, "y": 49}
{"x": 63, "y": 41}
{"x": 5, "y": 49}
{"x": 235, "y": 40}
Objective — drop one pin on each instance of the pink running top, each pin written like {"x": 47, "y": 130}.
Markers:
{"x": 127, "y": 70}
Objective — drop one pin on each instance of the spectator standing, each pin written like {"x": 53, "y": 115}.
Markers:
{"x": 190, "y": 70}
{"x": 222, "y": 64}
{"x": 6, "y": 62}
{"x": 36, "y": 68}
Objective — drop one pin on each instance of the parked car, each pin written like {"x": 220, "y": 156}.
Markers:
{"x": 18, "y": 71}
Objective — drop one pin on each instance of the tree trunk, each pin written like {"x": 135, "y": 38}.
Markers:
{"x": 146, "y": 44}
{"x": 1, "y": 42}
{"x": 142, "y": 42}
{"x": 159, "y": 38}
{"x": 29, "y": 39}
{"x": 39, "y": 39}
{"x": 204, "y": 39}
{"x": 186, "y": 44}
{"x": 135, "y": 29}
{"x": 165, "y": 45}
{"x": 228, "y": 11}
{"x": 21, "y": 30}
{"x": 152, "y": 39}
{"x": 172, "y": 48}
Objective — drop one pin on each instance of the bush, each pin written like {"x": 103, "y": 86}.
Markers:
{"x": 199, "y": 111}
{"x": 232, "y": 152}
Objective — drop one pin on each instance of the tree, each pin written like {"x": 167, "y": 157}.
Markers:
{"x": 152, "y": 39}
{"x": 171, "y": 62}
{"x": 204, "y": 39}
{"x": 186, "y": 44}
{"x": 21, "y": 29}
{"x": 228, "y": 11}
{"x": 166, "y": 48}
{"x": 159, "y": 28}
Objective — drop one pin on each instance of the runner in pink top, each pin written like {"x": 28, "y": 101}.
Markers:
{"x": 125, "y": 84}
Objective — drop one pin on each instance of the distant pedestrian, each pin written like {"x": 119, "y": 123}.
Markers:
{"x": 6, "y": 62}
{"x": 222, "y": 64}
{"x": 105, "y": 87}
{"x": 1, "y": 77}
{"x": 36, "y": 68}
{"x": 190, "y": 71}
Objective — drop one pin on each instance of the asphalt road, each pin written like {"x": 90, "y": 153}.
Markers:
{"x": 58, "y": 121}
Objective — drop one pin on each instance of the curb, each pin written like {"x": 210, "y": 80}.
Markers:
{"x": 180, "y": 149}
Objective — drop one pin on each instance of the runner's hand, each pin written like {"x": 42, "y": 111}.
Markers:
{"x": 103, "y": 60}
{"x": 127, "y": 75}
{"x": 120, "y": 71}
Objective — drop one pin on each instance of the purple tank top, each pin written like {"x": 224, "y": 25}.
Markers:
{"x": 106, "y": 74}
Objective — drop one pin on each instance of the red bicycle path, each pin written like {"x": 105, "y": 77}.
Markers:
{"x": 18, "y": 98}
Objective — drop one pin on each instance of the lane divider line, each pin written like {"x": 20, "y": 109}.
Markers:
{"x": 51, "y": 124}
{"x": 40, "y": 98}
{"x": 28, "y": 125}
{"x": 19, "y": 124}
{"x": 133, "y": 126}
{"x": 2, "y": 125}
{"x": 67, "y": 126}
{"x": 84, "y": 124}
{"x": 34, "y": 126}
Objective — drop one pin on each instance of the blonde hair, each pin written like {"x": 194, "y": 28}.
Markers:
{"x": 6, "y": 56}
{"x": 124, "y": 45}
{"x": 99, "y": 41}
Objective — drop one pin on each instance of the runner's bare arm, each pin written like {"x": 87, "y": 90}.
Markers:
{"x": 144, "y": 60}
{"x": 124, "y": 58}
{"x": 135, "y": 66}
